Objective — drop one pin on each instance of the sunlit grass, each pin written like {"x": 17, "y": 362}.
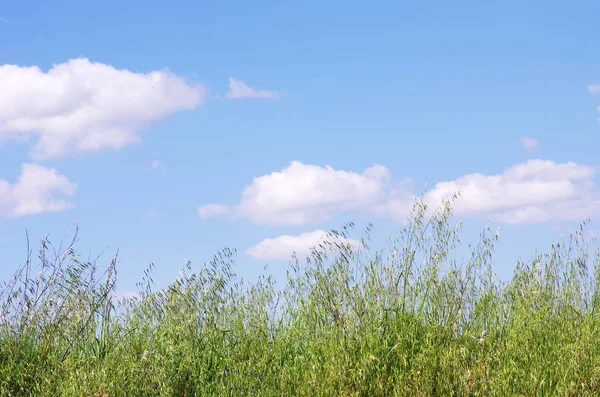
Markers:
{"x": 407, "y": 320}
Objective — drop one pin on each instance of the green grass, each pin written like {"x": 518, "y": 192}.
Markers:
{"x": 406, "y": 320}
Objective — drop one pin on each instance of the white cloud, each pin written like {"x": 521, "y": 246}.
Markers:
{"x": 594, "y": 88}
{"x": 302, "y": 194}
{"x": 535, "y": 191}
{"x": 531, "y": 192}
{"x": 528, "y": 143}
{"x": 282, "y": 247}
{"x": 82, "y": 106}
{"x": 238, "y": 89}
{"x": 35, "y": 192}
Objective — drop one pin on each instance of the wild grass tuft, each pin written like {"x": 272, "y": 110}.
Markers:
{"x": 409, "y": 319}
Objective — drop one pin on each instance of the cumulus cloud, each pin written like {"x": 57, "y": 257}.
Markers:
{"x": 530, "y": 192}
{"x": 82, "y": 106}
{"x": 302, "y": 194}
{"x": 528, "y": 142}
{"x": 37, "y": 190}
{"x": 238, "y": 90}
{"x": 282, "y": 247}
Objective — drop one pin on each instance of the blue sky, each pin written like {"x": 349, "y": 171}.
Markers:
{"x": 129, "y": 118}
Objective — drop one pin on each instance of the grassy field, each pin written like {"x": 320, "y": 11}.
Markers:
{"x": 406, "y": 320}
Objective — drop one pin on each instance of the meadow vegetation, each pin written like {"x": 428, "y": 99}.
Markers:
{"x": 409, "y": 319}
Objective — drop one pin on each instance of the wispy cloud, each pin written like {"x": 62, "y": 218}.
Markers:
{"x": 82, "y": 106}
{"x": 150, "y": 214}
{"x": 36, "y": 191}
{"x": 155, "y": 164}
{"x": 213, "y": 210}
{"x": 594, "y": 88}
{"x": 238, "y": 90}
{"x": 531, "y": 192}
{"x": 528, "y": 143}
{"x": 282, "y": 247}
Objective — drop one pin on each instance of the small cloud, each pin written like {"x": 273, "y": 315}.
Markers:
{"x": 213, "y": 210}
{"x": 155, "y": 164}
{"x": 594, "y": 88}
{"x": 151, "y": 214}
{"x": 35, "y": 192}
{"x": 238, "y": 90}
{"x": 528, "y": 142}
{"x": 282, "y": 247}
